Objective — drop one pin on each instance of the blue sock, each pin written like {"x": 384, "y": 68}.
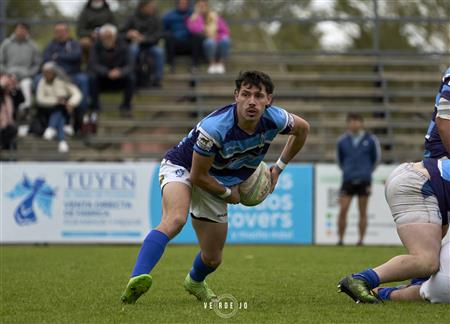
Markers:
{"x": 200, "y": 270}
{"x": 151, "y": 251}
{"x": 368, "y": 276}
{"x": 385, "y": 292}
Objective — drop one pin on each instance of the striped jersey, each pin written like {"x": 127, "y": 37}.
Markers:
{"x": 439, "y": 171}
{"x": 433, "y": 143}
{"x": 236, "y": 153}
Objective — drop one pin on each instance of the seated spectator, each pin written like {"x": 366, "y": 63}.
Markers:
{"x": 144, "y": 30}
{"x": 216, "y": 32}
{"x": 56, "y": 98}
{"x": 111, "y": 68}
{"x": 8, "y": 127}
{"x": 95, "y": 14}
{"x": 66, "y": 53}
{"x": 20, "y": 57}
{"x": 179, "y": 40}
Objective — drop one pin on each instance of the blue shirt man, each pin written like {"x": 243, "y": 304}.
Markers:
{"x": 358, "y": 153}
{"x": 202, "y": 174}
{"x": 437, "y": 139}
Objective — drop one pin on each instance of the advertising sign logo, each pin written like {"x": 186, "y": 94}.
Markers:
{"x": 33, "y": 191}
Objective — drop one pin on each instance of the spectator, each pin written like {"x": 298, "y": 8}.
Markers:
{"x": 179, "y": 40}
{"x": 56, "y": 99}
{"x": 358, "y": 153}
{"x": 8, "y": 127}
{"x": 66, "y": 53}
{"x": 19, "y": 56}
{"x": 111, "y": 67}
{"x": 95, "y": 14}
{"x": 144, "y": 30}
{"x": 216, "y": 32}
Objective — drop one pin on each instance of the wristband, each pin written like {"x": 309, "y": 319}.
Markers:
{"x": 280, "y": 164}
{"x": 226, "y": 194}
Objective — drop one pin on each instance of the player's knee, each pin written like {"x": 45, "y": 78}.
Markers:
{"x": 172, "y": 225}
{"x": 430, "y": 264}
{"x": 177, "y": 223}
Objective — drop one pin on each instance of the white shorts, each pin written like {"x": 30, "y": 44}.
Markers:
{"x": 405, "y": 196}
{"x": 437, "y": 288}
{"x": 204, "y": 205}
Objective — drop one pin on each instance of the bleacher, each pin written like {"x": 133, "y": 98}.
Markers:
{"x": 395, "y": 94}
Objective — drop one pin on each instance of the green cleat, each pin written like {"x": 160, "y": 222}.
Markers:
{"x": 358, "y": 290}
{"x": 137, "y": 286}
{"x": 198, "y": 289}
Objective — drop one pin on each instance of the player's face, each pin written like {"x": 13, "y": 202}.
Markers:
{"x": 251, "y": 102}
{"x": 354, "y": 125}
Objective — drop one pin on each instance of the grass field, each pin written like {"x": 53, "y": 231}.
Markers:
{"x": 280, "y": 284}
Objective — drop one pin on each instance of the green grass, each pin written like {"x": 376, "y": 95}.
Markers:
{"x": 280, "y": 284}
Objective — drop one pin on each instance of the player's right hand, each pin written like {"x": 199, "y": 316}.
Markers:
{"x": 235, "y": 197}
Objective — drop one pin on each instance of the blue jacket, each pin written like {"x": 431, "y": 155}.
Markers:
{"x": 358, "y": 162}
{"x": 67, "y": 55}
{"x": 175, "y": 23}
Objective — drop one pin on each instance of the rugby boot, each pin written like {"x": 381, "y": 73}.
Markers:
{"x": 357, "y": 290}
{"x": 199, "y": 289}
{"x": 137, "y": 286}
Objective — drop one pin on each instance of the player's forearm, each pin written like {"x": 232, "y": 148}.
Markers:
{"x": 209, "y": 184}
{"x": 295, "y": 143}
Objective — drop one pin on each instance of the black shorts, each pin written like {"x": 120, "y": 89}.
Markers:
{"x": 351, "y": 188}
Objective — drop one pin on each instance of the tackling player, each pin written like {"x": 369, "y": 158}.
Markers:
{"x": 418, "y": 195}
{"x": 201, "y": 175}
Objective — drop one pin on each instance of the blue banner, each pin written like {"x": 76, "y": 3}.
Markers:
{"x": 285, "y": 217}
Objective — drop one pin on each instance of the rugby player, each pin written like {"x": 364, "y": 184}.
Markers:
{"x": 418, "y": 195}
{"x": 201, "y": 175}
{"x": 436, "y": 289}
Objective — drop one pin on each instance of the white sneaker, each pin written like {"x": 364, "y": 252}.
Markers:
{"x": 212, "y": 69}
{"x": 220, "y": 68}
{"x": 63, "y": 147}
{"x": 68, "y": 130}
{"x": 22, "y": 131}
{"x": 49, "y": 134}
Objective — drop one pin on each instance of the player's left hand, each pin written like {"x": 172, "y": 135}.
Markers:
{"x": 274, "y": 174}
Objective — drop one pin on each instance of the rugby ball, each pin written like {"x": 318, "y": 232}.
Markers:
{"x": 256, "y": 188}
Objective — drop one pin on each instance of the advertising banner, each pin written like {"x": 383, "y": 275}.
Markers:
{"x": 75, "y": 202}
{"x": 381, "y": 227}
{"x": 121, "y": 202}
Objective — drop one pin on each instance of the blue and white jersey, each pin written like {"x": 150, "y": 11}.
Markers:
{"x": 440, "y": 182}
{"x": 236, "y": 153}
{"x": 433, "y": 143}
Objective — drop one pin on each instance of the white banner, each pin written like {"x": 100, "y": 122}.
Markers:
{"x": 75, "y": 202}
{"x": 381, "y": 227}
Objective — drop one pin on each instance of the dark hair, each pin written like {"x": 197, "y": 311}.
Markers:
{"x": 354, "y": 116}
{"x": 23, "y": 24}
{"x": 255, "y": 78}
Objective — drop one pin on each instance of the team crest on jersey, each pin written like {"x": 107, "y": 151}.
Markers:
{"x": 204, "y": 142}
{"x": 179, "y": 173}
